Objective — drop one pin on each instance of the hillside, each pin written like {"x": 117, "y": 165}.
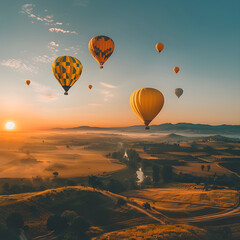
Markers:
{"x": 160, "y": 232}
{"x": 169, "y": 127}
{"x": 98, "y": 207}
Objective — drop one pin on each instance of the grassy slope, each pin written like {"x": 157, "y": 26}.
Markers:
{"x": 160, "y": 232}
{"x": 99, "y": 209}
{"x": 176, "y": 202}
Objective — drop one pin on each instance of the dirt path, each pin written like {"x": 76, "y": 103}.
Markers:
{"x": 135, "y": 207}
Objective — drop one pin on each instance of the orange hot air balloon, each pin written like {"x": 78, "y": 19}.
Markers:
{"x": 159, "y": 47}
{"x": 28, "y": 82}
{"x": 90, "y": 87}
{"x": 101, "y": 48}
{"x": 176, "y": 69}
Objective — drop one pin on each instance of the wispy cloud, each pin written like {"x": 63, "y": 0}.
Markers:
{"x": 107, "y": 94}
{"x": 44, "y": 59}
{"x": 107, "y": 85}
{"x": 47, "y": 19}
{"x": 61, "y": 30}
{"x": 44, "y": 93}
{"x": 19, "y": 65}
{"x": 28, "y": 9}
{"x": 54, "y": 44}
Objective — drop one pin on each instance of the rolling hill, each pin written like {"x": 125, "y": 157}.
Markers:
{"x": 168, "y": 127}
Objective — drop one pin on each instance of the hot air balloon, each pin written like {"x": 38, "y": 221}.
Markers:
{"x": 146, "y": 103}
{"x": 90, "y": 87}
{"x": 28, "y": 82}
{"x": 178, "y": 92}
{"x": 67, "y": 71}
{"x": 176, "y": 69}
{"x": 101, "y": 48}
{"x": 159, "y": 47}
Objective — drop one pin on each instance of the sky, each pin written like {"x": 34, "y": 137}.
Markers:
{"x": 201, "y": 37}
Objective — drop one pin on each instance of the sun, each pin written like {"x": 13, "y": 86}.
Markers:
{"x": 10, "y": 125}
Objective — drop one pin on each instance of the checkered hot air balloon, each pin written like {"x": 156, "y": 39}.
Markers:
{"x": 101, "y": 48}
{"x": 67, "y": 71}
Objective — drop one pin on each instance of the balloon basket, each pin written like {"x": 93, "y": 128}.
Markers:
{"x": 101, "y": 67}
{"x": 66, "y": 93}
{"x": 147, "y": 128}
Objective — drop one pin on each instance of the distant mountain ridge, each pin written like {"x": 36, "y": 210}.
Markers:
{"x": 169, "y": 127}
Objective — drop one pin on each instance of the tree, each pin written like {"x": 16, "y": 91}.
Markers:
{"x": 6, "y": 187}
{"x": 69, "y": 216}
{"x": 121, "y": 202}
{"x": 115, "y": 186}
{"x": 14, "y": 221}
{"x": 56, "y": 223}
{"x": 167, "y": 173}
{"x": 156, "y": 173}
{"x": 80, "y": 226}
{"x": 95, "y": 182}
{"x": 208, "y": 167}
{"x": 202, "y": 167}
{"x": 146, "y": 205}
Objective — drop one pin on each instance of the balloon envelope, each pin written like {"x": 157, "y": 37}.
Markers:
{"x": 146, "y": 103}
{"x": 67, "y": 71}
{"x": 28, "y": 82}
{"x": 90, "y": 86}
{"x": 159, "y": 47}
{"x": 178, "y": 92}
{"x": 176, "y": 69}
{"x": 101, "y": 48}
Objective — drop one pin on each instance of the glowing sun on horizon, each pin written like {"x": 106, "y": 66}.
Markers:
{"x": 10, "y": 125}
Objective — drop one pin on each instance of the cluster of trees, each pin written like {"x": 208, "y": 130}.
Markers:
{"x": 69, "y": 225}
{"x": 133, "y": 160}
{"x": 112, "y": 185}
{"x": 213, "y": 181}
{"x": 14, "y": 227}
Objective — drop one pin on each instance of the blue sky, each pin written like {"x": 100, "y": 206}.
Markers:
{"x": 201, "y": 37}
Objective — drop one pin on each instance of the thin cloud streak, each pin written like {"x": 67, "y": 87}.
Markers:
{"x": 28, "y": 9}
{"x": 107, "y": 85}
{"x": 61, "y": 30}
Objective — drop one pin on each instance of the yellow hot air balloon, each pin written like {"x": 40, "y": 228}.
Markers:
{"x": 101, "y": 48}
{"x": 178, "y": 92}
{"x": 67, "y": 71}
{"x": 176, "y": 69}
{"x": 28, "y": 82}
{"x": 159, "y": 47}
{"x": 146, "y": 103}
{"x": 90, "y": 87}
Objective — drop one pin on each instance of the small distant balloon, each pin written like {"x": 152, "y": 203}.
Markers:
{"x": 176, "y": 69}
{"x": 178, "y": 92}
{"x": 28, "y": 82}
{"x": 101, "y": 48}
{"x": 159, "y": 47}
{"x": 90, "y": 87}
{"x": 146, "y": 103}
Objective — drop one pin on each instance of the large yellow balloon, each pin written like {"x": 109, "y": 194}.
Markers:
{"x": 67, "y": 71}
{"x": 146, "y": 103}
{"x": 101, "y": 48}
{"x": 159, "y": 47}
